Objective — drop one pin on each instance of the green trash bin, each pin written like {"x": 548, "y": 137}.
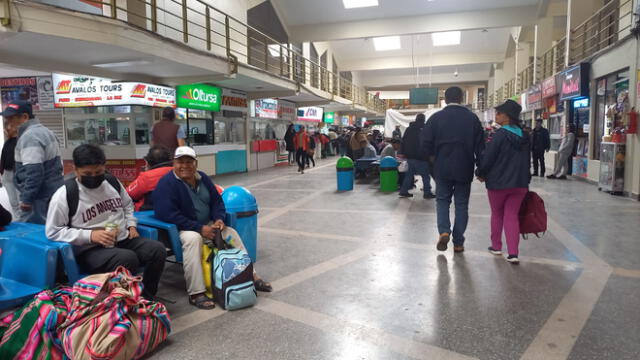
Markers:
{"x": 388, "y": 174}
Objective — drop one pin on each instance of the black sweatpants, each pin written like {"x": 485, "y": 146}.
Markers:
{"x": 538, "y": 161}
{"x": 301, "y": 158}
{"x": 130, "y": 253}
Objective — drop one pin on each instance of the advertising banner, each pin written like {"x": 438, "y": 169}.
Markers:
{"x": 267, "y": 108}
{"x": 311, "y": 114}
{"x": 14, "y": 89}
{"x": 329, "y": 117}
{"x": 549, "y": 87}
{"x": 534, "y": 98}
{"x": 233, "y": 100}
{"x": 199, "y": 97}
{"x": 79, "y": 91}
{"x": 574, "y": 82}
{"x": 45, "y": 93}
{"x": 286, "y": 111}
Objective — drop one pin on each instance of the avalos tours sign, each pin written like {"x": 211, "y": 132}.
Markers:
{"x": 199, "y": 97}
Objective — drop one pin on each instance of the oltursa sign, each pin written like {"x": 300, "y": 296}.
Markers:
{"x": 199, "y": 97}
{"x": 82, "y": 91}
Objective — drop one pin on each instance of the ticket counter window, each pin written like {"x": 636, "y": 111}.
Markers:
{"x": 107, "y": 125}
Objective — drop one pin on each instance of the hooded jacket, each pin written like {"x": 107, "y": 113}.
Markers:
{"x": 411, "y": 147}
{"x": 142, "y": 187}
{"x": 505, "y": 162}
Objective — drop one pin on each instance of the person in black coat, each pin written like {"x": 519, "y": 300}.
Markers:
{"x": 416, "y": 159}
{"x": 453, "y": 139}
{"x": 505, "y": 170}
{"x": 540, "y": 143}
{"x": 288, "y": 139}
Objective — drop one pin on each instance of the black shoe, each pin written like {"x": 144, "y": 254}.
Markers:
{"x": 458, "y": 249}
{"x": 551, "y": 177}
{"x": 407, "y": 195}
{"x": 513, "y": 259}
{"x": 494, "y": 251}
{"x": 428, "y": 196}
{"x": 563, "y": 177}
{"x": 534, "y": 174}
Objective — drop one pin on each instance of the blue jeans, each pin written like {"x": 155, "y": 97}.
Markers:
{"x": 445, "y": 190}
{"x": 37, "y": 214}
{"x": 416, "y": 167}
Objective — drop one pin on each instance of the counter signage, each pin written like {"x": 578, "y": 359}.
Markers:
{"x": 311, "y": 114}
{"x": 534, "y": 98}
{"x": 267, "y": 108}
{"x": 549, "y": 87}
{"x": 286, "y": 111}
{"x": 199, "y": 97}
{"x": 329, "y": 117}
{"x": 79, "y": 91}
{"x": 233, "y": 100}
{"x": 574, "y": 82}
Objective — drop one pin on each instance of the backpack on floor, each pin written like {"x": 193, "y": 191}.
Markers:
{"x": 232, "y": 275}
{"x": 533, "y": 216}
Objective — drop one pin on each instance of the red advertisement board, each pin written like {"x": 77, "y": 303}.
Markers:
{"x": 125, "y": 170}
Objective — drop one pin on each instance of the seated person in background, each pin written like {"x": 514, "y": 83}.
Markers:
{"x": 369, "y": 151}
{"x": 187, "y": 198}
{"x": 391, "y": 149}
{"x": 5, "y": 217}
{"x": 94, "y": 213}
{"x": 158, "y": 165}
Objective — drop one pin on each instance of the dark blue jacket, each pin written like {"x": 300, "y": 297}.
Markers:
{"x": 172, "y": 202}
{"x": 455, "y": 138}
{"x": 411, "y": 146}
{"x": 506, "y": 161}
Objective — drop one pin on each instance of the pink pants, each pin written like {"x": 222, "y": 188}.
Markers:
{"x": 505, "y": 206}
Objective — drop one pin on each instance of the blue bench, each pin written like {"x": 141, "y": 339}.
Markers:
{"x": 20, "y": 282}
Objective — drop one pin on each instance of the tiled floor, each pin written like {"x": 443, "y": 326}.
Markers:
{"x": 357, "y": 276}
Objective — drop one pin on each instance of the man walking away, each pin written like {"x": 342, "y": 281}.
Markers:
{"x": 301, "y": 143}
{"x": 416, "y": 159}
{"x": 38, "y": 165}
{"x": 454, "y": 140}
{"x": 541, "y": 143}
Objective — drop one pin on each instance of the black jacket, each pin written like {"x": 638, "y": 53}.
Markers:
{"x": 454, "y": 136}
{"x": 540, "y": 141}
{"x": 8, "y": 158}
{"x": 506, "y": 161}
{"x": 410, "y": 146}
{"x": 288, "y": 139}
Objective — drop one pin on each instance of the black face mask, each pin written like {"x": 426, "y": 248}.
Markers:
{"x": 92, "y": 182}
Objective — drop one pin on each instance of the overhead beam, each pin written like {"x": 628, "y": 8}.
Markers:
{"x": 469, "y": 20}
{"x": 404, "y": 62}
{"x": 385, "y": 81}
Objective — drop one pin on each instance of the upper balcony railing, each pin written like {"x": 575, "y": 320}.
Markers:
{"x": 607, "y": 26}
{"x": 205, "y": 28}
{"x": 525, "y": 79}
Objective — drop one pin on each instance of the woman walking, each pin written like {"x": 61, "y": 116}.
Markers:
{"x": 288, "y": 139}
{"x": 505, "y": 170}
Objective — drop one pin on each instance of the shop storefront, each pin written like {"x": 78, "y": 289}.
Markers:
{"x": 229, "y": 133}
{"x": 269, "y": 121}
{"x": 574, "y": 92}
{"x": 553, "y": 113}
{"x": 534, "y": 105}
{"x": 115, "y": 115}
{"x": 611, "y": 109}
{"x": 312, "y": 119}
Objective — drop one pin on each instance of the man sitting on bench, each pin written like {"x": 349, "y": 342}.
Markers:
{"x": 187, "y": 198}
{"x": 93, "y": 212}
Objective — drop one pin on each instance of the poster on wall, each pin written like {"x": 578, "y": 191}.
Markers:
{"x": 344, "y": 120}
{"x": 267, "y": 108}
{"x": 45, "y": 93}
{"x": 80, "y": 90}
{"x": 549, "y": 87}
{"x": 286, "y": 111}
{"x": 14, "y": 89}
{"x": 311, "y": 114}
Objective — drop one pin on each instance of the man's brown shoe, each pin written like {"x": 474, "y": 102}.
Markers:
{"x": 458, "y": 249}
{"x": 443, "y": 241}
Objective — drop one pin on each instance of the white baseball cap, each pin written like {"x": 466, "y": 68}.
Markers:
{"x": 185, "y": 151}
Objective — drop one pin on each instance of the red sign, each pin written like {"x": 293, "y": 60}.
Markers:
{"x": 534, "y": 98}
{"x": 125, "y": 170}
{"x": 549, "y": 87}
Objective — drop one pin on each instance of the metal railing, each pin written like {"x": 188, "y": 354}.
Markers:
{"x": 553, "y": 60}
{"x": 525, "y": 79}
{"x": 603, "y": 29}
{"x": 205, "y": 28}
{"x": 510, "y": 89}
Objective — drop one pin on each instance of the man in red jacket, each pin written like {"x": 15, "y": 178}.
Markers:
{"x": 159, "y": 163}
{"x": 301, "y": 142}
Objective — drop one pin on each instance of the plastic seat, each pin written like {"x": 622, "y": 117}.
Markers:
{"x": 19, "y": 283}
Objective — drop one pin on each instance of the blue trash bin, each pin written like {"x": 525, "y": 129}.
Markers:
{"x": 242, "y": 207}
{"x": 344, "y": 169}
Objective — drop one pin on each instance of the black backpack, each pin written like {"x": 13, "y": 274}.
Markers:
{"x": 73, "y": 192}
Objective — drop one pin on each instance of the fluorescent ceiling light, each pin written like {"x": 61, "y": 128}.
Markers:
{"x": 352, "y": 4}
{"x": 446, "y": 38}
{"x": 123, "y": 64}
{"x": 274, "y": 50}
{"x": 386, "y": 43}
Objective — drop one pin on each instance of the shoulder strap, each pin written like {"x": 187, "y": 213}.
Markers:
{"x": 113, "y": 181}
{"x": 73, "y": 196}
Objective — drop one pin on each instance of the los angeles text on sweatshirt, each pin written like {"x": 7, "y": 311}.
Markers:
{"x": 96, "y": 207}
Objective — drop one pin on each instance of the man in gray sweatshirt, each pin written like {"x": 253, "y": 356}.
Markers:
{"x": 93, "y": 212}
{"x": 38, "y": 168}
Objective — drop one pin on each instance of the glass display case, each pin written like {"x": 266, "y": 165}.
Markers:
{"x": 612, "y": 156}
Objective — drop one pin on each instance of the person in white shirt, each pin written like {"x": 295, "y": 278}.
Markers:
{"x": 81, "y": 209}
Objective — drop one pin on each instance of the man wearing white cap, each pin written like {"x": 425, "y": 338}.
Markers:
{"x": 188, "y": 198}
